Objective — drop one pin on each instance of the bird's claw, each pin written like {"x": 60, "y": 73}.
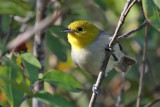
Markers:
{"x": 108, "y": 49}
{"x": 96, "y": 89}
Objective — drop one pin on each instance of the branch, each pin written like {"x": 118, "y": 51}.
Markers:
{"x": 141, "y": 9}
{"x": 125, "y": 11}
{"x": 30, "y": 32}
{"x": 121, "y": 22}
{"x": 152, "y": 103}
{"x": 27, "y": 96}
{"x": 147, "y": 94}
{"x": 143, "y": 70}
{"x": 133, "y": 31}
{"x": 39, "y": 46}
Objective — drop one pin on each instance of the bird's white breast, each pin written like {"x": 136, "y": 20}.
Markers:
{"x": 91, "y": 58}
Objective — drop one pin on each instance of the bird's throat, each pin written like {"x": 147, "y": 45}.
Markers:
{"x": 78, "y": 43}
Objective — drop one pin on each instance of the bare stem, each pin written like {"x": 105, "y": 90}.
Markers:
{"x": 121, "y": 21}
{"x": 153, "y": 102}
{"x": 141, "y": 9}
{"x": 39, "y": 46}
{"x": 30, "y": 32}
{"x": 143, "y": 70}
{"x": 125, "y": 11}
{"x": 27, "y": 96}
{"x": 133, "y": 31}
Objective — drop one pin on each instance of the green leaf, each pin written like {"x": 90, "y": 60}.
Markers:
{"x": 56, "y": 46}
{"x": 31, "y": 65}
{"x": 57, "y": 30}
{"x": 101, "y": 4}
{"x": 152, "y": 13}
{"x": 8, "y": 7}
{"x": 62, "y": 80}
{"x": 11, "y": 79}
{"x": 1, "y": 47}
{"x": 5, "y": 22}
{"x": 21, "y": 4}
{"x": 56, "y": 100}
{"x": 157, "y": 2}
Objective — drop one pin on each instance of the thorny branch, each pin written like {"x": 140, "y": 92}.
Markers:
{"x": 125, "y": 11}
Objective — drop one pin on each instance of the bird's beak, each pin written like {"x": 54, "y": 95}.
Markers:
{"x": 68, "y": 31}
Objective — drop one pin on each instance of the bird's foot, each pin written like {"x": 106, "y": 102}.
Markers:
{"x": 96, "y": 89}
{"x": 108, "y": 49}
{"x": 111, "y": 51}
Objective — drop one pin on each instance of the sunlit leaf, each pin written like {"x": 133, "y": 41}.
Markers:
{"x": 56, "y": 46}
{"x": 63, "y": 80}
{"x": 31, "y": 65}
{"x": 54, "y": 100}
{"x": 152, "y": 13}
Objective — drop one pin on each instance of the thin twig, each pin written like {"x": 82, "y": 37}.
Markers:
{"x": 152, "y": 103}
{"x": 143, "y": 69}
{"x": 133, "y": 31}
{"x": 141, "y": 9}
{"x": 108, "y": 52}
{"x": 147, "y": 94}
{"x": 30, "y": 32}
{"x": 27, "y": 96}
{"x": 119, "y": 99}
{"x": 39, "y": 46}
{"x": 121, "y": 22}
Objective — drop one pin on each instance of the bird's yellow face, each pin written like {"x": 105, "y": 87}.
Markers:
{"x": 81, "y": 34}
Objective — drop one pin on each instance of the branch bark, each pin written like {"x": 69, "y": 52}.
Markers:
{"x": 101, "y": 75}
{"x": 49, "y": 20}
{"x": 153, "y": 102}
{"x": 39, "y": 46}
{"x": 133, "y": 31}
{"x": 143, "y": 69}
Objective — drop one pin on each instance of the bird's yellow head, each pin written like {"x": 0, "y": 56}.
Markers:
{"x": 81, "y": 34}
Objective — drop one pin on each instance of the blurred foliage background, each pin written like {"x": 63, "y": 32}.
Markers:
{"x": 18, "y": 15}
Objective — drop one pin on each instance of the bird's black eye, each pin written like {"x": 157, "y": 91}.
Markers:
{"x": 80, "y": 29}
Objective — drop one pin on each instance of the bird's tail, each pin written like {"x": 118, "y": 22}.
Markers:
{"x": 125, "y": 63}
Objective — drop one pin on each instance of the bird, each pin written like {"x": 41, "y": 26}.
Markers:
{"x": 88, "y": 45}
